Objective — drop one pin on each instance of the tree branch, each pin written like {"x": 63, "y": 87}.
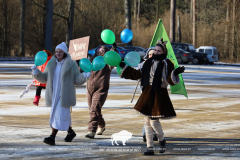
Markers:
{"x": 85, "y": 17}
{"x": 44, "y": 8}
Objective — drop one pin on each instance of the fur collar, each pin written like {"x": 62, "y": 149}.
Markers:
{"x": 67, "y": 64}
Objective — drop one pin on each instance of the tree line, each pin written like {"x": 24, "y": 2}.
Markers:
{"x": 28, "y": 26}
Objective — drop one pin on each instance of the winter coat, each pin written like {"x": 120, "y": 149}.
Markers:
{"x": 70, "y": 76}
{"x": 157, "y": 105}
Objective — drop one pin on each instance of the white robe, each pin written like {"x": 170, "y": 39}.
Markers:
{"x": 60, "y": 117}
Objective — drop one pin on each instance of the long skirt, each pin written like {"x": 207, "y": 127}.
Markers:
{"x": 157, "y": 105}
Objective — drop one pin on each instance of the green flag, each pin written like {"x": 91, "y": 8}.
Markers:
{"x": 160, "y": 32}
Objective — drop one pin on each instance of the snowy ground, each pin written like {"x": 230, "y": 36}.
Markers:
{"x": 207, "y": 124}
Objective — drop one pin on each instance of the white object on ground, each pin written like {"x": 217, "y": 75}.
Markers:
{"x": 26, "y": 91}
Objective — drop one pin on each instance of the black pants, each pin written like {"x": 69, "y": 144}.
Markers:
{"x": 38, "y": 90}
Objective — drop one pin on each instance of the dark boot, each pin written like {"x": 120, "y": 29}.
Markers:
{"x": 162, "y": 146}
{"x": 49, "y": 140}
{"x": 70, "y": 136}
{"x": 36, "y": 100}
{"x": 155, "y": 138}
{"x": 144, "y": 138}
{"x": 149, "y": 151}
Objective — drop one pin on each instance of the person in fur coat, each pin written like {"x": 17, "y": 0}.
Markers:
{"x": 61, "y": 75}
{"x": 40, "y": 86}
{"x": 154, "y": 102}
{"x": 97, "y": 91}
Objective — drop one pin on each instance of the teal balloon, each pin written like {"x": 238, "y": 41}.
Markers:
{"x": 112, "y": 58}
{"x": 40, "y": 58}
{"x": 132, "y": 58}
{"x": 85, "y": 65}
{"x": 98, "y": 63}
{"x": 108, "y": 36}
{"x": 119, "y": 70}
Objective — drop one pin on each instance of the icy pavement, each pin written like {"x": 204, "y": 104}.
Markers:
{"x": 207, "y": 124}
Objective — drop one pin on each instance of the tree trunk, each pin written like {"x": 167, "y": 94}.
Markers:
{"x": 226, "y": 30}
{"x": 128, "y": 17}
{"x": 172, "y": 20}
{"x": 22, "y": 29}
{"x": 194, "y": 24}
{"x": 191, "y": 9}
{"x": 49, "y": 23}
{"x": 179, "y": 34}
{"x": 157, "y": 11}
{"x": 70, "y": 21}
{"x": 233, "y": 28}
{"x": 135, "y": 9}
{"x": 5, "y": 37}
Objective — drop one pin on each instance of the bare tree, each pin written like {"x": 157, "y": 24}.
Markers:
{"x": 172, "y": 20}
{"x": 226, "y": 29}
{"x": 70, "y": 21}
{"x": 194, "y": 24}
{"x": 128, "y": 17}
{"x": 5, "y": 37}
{"x": 135, "y": 9}
{"x": 49, "y": 23}
{"x": 233, "y": 28}
{"x": 156, "y": 10}
{"x": 179, "y": 35}
{"x": 22, "y": 29}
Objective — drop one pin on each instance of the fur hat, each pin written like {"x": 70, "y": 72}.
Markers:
{"x": 63, "y": 47}
{"x": 163, "y": 44}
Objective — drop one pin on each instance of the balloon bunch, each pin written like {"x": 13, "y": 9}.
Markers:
{"x": 97, "y": 64}
{"x": 112, "y": 58}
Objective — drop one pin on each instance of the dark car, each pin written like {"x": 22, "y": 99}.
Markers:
{"x": 139, "y": 50}
{"x": 198, "y": 57}
{"x": 182, "y": 56}
{"x": 122, "y": 51}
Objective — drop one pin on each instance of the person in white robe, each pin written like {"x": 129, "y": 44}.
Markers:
{"x": 61, "y": 75}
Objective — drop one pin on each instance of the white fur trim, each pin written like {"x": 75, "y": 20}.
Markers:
{"x": 160, "y": 116}
{"x": 174, "y": 78}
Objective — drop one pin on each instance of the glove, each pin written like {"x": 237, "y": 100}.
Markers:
{"x": 122, "y": 64}
{"x": 114, "y": 46}
{"x": 179, "y": 70}
{"x": 86, "y": 74}
{"x": 34, "y": 69}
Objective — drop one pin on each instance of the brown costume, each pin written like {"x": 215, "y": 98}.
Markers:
{"x": 157, "y": 105}
{"x": 97, "y": 91}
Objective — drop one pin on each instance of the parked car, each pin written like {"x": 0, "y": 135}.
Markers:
{"x": 212, "y": 53}
{"x": 182, "y": 56}
{"x": 139, "y": 50}
{"x": 198, "y": 57}
{"x": 122, "y": 51}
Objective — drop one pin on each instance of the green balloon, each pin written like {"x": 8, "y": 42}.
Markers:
{"x": 40, "y": 58}
{"x": 85, "y": 65}
{"x": 112, "y": 58}
{"x": 119, "y": 70}
{"x": 108, "y": 36}
{"x": 98, "y": 63}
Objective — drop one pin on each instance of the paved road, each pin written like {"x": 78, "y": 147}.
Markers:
{"x": 206, "y": 127}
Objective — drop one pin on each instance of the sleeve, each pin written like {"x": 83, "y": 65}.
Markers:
{"x": 171, "y": 78}
{"x": 41, "y": 77}
{"x": 79, "y": 79}
{"x": 131, "y": 73}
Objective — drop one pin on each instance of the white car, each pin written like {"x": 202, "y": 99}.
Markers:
{"x": 212, "y": 53}
{"x": 139, "y": 50}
